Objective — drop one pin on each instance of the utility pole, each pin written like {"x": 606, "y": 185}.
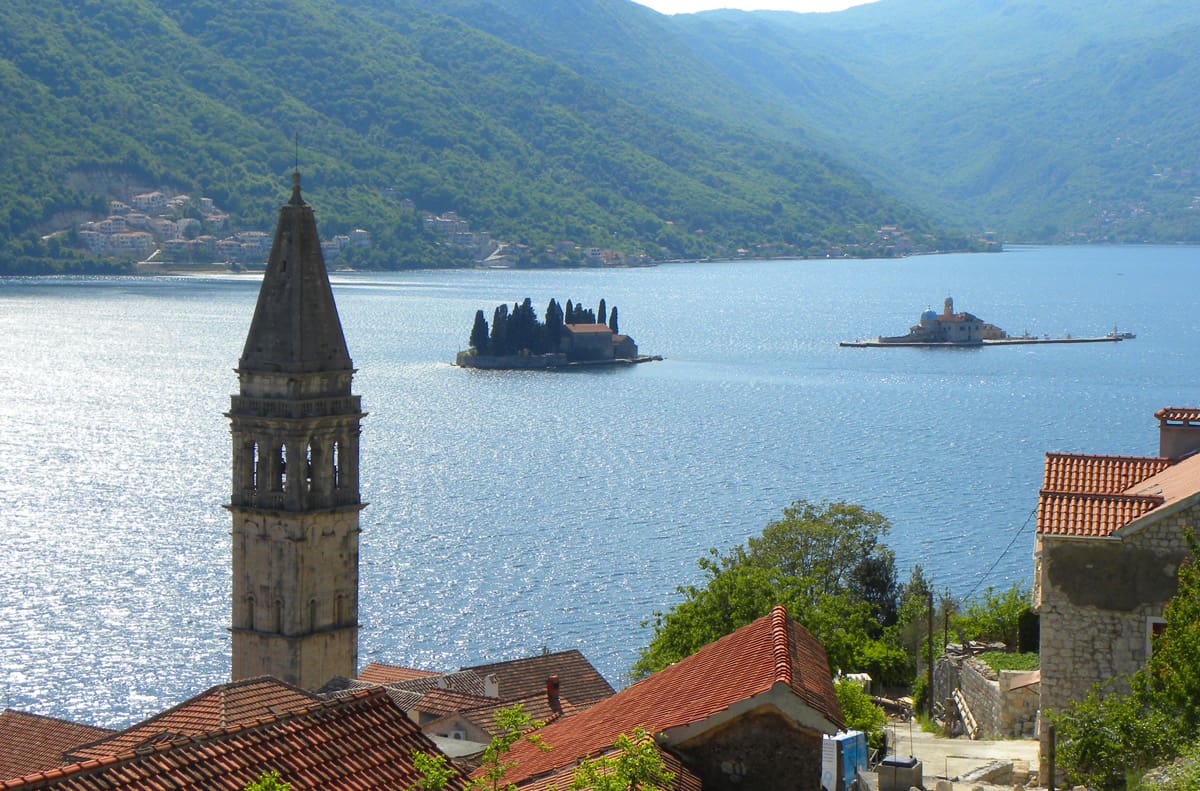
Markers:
{"x": 929, "y": 666}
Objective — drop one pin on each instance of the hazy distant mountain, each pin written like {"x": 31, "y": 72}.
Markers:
{"x": 1047, "y": 120}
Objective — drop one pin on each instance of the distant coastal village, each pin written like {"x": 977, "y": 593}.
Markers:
{"x": 159, "y": 230}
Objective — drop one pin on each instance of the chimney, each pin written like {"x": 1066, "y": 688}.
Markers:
{"x": 491, "y": 686}
{"x": 1178, "y": 431}
{"x": 552, "y": 695}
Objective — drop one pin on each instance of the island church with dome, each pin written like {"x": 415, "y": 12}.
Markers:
{"x": 949, "y": 327}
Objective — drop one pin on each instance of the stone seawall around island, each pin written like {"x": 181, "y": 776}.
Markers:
{"x": 537, "y": 362}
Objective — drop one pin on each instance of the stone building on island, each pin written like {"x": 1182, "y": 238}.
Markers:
{"x": 948, "y": 327}
{"x": 295, "y": 500}
{"x": 1110, "y": 539}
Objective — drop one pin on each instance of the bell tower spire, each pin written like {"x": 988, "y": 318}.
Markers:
{"x": 295, "y": 496}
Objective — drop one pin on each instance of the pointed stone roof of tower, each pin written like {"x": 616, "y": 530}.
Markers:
{"x": 296, "y": 327}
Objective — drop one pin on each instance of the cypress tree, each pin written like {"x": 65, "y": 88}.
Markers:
{"x": 499, "y": 341}
{"x": 612, "y": 321}
{"x": 602, "y": 313}
{"x": 570, "y": 314}
{"x": 554, "y": 326}
{"x": 479, "y": 333}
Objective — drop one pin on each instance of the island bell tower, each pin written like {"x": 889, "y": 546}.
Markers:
{"x": 295, "y": 501}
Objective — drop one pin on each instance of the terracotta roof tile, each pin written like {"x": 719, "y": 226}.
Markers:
{"x": 1093, "y": 474}
{"x": 579, "y": 682}
{"x": 1179, "y": 414}
{"x": 1093, "y": 515}
{"x": 465, "y": 681}
{"x": 440, "y": 702}
{"x": 536, "y": 706}
{"x": 32, "y": 743}
{"x": 362, "y": 741}
{"x": 381, "y": 673}
{"x": 218, "y": 707}
{"x": 589, "y": 328}
{"x": 770, "y": 652}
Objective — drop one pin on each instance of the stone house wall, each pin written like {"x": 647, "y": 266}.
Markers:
{"x": 1000, "y": 710}
{"x": 1099, "y": 600}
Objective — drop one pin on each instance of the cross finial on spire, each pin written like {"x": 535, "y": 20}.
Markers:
{"x": 296, "y": 199}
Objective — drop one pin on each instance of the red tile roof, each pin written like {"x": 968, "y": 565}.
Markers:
{"x": 221, "y": 706}
{"x": 771, "y": 654}
{"x": 1092, "y": 515}
{"x": 1179, "y": 414}
{"x": 467, "y": 682}
{"x": 358, "y": 742}
{"x": 579, "y": 682}
{"x": 440, "y": 702}
{"x": 381, "y": 673}
{"x": 536, "y": 706}
{"x": 1092, "y": 474}
{"x": 580, "y": 328}
{"x": 30, "y": 742}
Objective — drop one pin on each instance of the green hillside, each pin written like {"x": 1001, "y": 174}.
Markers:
{"x": 1047, "y": 121}
{"x": 397, "y": 109}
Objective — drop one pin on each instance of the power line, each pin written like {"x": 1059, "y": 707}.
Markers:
{"x": 1001, "y": 556}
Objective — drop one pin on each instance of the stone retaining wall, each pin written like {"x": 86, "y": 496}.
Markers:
{"x": 1000, "y": 710}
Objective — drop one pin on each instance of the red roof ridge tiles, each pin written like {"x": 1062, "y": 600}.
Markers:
{"x": 1087, "y": 473}
{"x": 1179, "y": 414}
{"x": 358, "y": 741}
{"x": 225, "y": 704}
{"x": 384, "y": 673}
{"x": 1096, "y": 515}
{"x": 781, "y": 648}
{"x": 772, "y": 661}
{"x": 31, "y": 742}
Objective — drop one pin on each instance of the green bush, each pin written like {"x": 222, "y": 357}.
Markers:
{"x": 1002, "y": 660}
{"x": 860, "y": 712}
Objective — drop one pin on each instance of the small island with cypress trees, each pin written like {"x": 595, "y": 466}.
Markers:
{"x": 574, "y": 336}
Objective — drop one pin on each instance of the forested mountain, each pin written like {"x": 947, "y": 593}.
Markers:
{"x": 391, "y": 101}
{"x": 1047, "y": 120}
{"x": 609, "y": 125}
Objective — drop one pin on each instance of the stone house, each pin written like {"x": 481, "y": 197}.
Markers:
{"x": 746, "y": 711}
{"x": 591, "y": 342}
{"x": 1110, "y": 539}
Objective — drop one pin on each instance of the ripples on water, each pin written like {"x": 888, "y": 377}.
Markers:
{"x": 512, "y": 511}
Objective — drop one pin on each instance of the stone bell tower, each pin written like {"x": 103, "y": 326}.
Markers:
{"x": 295, "y": 500}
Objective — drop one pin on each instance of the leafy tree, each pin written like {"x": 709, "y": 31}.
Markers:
{"x": 808, "y": 560}
{"x": 637, "y": 766}
{"x": 435, "y": 775}
{"x": 860, "y": 712}
{"x": 513, "y": 725}
{"x": 479, "y": 333}
{"x": 993, "y": 617}
{"x": 269, "y": 781}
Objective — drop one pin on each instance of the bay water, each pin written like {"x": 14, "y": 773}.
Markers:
{"x": 512, "y": 512}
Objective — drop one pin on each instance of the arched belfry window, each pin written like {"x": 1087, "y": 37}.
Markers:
{"x": 336, "y": 457}
{"x": 308, "y": 466}
{"x": 254, "y": 466}
{"x": 281, "y": 480}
